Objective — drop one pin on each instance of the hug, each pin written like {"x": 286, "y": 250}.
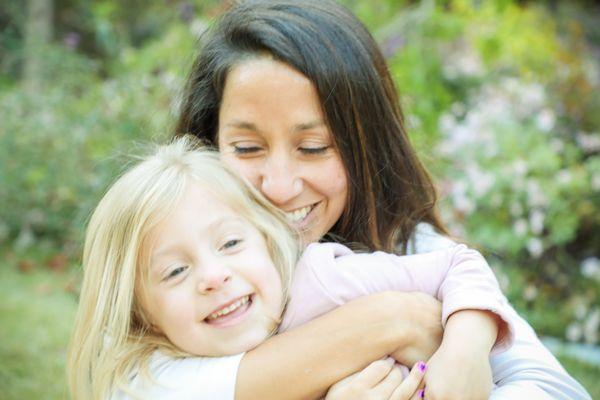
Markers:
{"x": 287, "y": 244}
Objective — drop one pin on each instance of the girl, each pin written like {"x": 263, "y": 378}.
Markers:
{"x": 299, "y": 100}
{"x": 183, "y": 259}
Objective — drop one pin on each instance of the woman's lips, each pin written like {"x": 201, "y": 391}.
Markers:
{"x": 300, "y": 216}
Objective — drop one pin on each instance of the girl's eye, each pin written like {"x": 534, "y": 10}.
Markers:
{"x": 230, "y": 244}
{"x": 313, "y": 150}
{"x": 176, "y": 271}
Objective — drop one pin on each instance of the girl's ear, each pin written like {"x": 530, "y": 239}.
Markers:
{"x": 147, "y": 321}
{"x": 155, "y": 328}
{"x": 142, "y": 304}
{"x": 150, "y": 322}
{"x": 141, "y": 313}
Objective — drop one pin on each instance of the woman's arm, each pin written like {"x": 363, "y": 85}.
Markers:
{"x": 304, "y": 362}
{"x": 460, "y": 277}
{"x": 330, "y": 275}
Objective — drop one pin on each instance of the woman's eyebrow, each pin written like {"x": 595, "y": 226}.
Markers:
{"x": 243, "y": 125}
{"x": 304, "y": 126}
{"x": 309, "y": 125}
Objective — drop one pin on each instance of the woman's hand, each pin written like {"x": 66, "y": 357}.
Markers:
{"x": 380, "y": 380}
{"x": 424, "y": 314}
{"x": 460, "y": 369}
{"x": 454, "y": 375}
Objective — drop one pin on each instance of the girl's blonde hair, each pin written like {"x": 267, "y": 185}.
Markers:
{"x": 112, "y": 335}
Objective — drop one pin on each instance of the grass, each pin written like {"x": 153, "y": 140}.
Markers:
{"x": 585, "y": 373}
{"x": 35, "y": 321}
{"x": 36, "y": 311}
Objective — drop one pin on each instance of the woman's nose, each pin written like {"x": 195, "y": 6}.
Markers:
{"x": 213, "y": 278}
{"x": 280, "y": 181}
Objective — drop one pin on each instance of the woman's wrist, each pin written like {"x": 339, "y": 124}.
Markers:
{"x": 421, "y": 328}
{"x": 384, "y": 315}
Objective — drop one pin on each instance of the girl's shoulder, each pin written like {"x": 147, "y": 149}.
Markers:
{"x": 200, "y": 378}
{"x": 426, "y": 239}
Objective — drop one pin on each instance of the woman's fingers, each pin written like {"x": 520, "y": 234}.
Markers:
{"x": 388, "y": 385}
{"x": 410, "y": 387}
{"x": 375, "y": 372}
{"x": 363, "y": 384}
{"x": 380, "y": 380}
{"x": 418, "y": 395}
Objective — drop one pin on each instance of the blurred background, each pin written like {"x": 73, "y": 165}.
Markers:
{"x": 501, "y": 98}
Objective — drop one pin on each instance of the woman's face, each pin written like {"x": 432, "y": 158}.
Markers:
{"x": 273, "y": 132}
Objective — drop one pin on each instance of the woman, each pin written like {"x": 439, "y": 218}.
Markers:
{"x": 298, "y": 99}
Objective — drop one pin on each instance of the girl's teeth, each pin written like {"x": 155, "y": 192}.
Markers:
{"x": 229, "y": 309}
{"x": 298, "y": 215}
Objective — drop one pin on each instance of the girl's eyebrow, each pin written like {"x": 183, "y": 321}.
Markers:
{"x": 214, "y": 226}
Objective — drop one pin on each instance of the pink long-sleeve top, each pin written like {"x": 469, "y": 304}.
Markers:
{"x": 329, "y": 275}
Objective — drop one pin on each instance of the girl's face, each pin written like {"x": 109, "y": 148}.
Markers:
{"x": 272, "y": 131}
{"x": 212, "y": 287}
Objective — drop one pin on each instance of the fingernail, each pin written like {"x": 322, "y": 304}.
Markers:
{"x": 422, "y": 393}
{"x": 422, "y": 366}
{"x": 390, "y": 360}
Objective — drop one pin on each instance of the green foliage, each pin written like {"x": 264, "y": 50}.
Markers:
{"x": 500, "y": 106}
{"x": 60, "y": 144}
{"x": 585, "y": 374}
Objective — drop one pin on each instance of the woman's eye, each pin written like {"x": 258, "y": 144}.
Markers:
{"x": 314, "y": 150}
{"x": 176, "y": 271}
{"x": 230, "y": 244}
{"x": 246, "y": 149}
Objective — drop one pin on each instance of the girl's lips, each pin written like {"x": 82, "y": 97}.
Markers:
{"x": 231, "y": 318}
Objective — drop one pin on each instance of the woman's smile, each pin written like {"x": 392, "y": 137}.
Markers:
{"x": 273, "y": 132}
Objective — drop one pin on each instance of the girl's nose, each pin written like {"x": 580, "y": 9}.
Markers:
{"x": 213, "y": 279}
{"x": 280, "y": 181}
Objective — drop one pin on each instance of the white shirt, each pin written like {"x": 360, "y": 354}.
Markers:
{"x": 192, "y": 378}
{"x": 525, "y": 371}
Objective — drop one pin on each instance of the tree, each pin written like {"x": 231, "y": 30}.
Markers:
{"x": 38, "y": 33}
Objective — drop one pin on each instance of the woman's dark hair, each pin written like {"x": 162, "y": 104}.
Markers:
{"x": 389, "y": 190}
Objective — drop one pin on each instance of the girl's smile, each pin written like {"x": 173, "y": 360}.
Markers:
{"x": 231, "y": 313}
{"x": 212, "y": 287}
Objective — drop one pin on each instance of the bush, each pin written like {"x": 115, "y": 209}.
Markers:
{"x": 500, "y": 107}
{"x": 62, "y": 145}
